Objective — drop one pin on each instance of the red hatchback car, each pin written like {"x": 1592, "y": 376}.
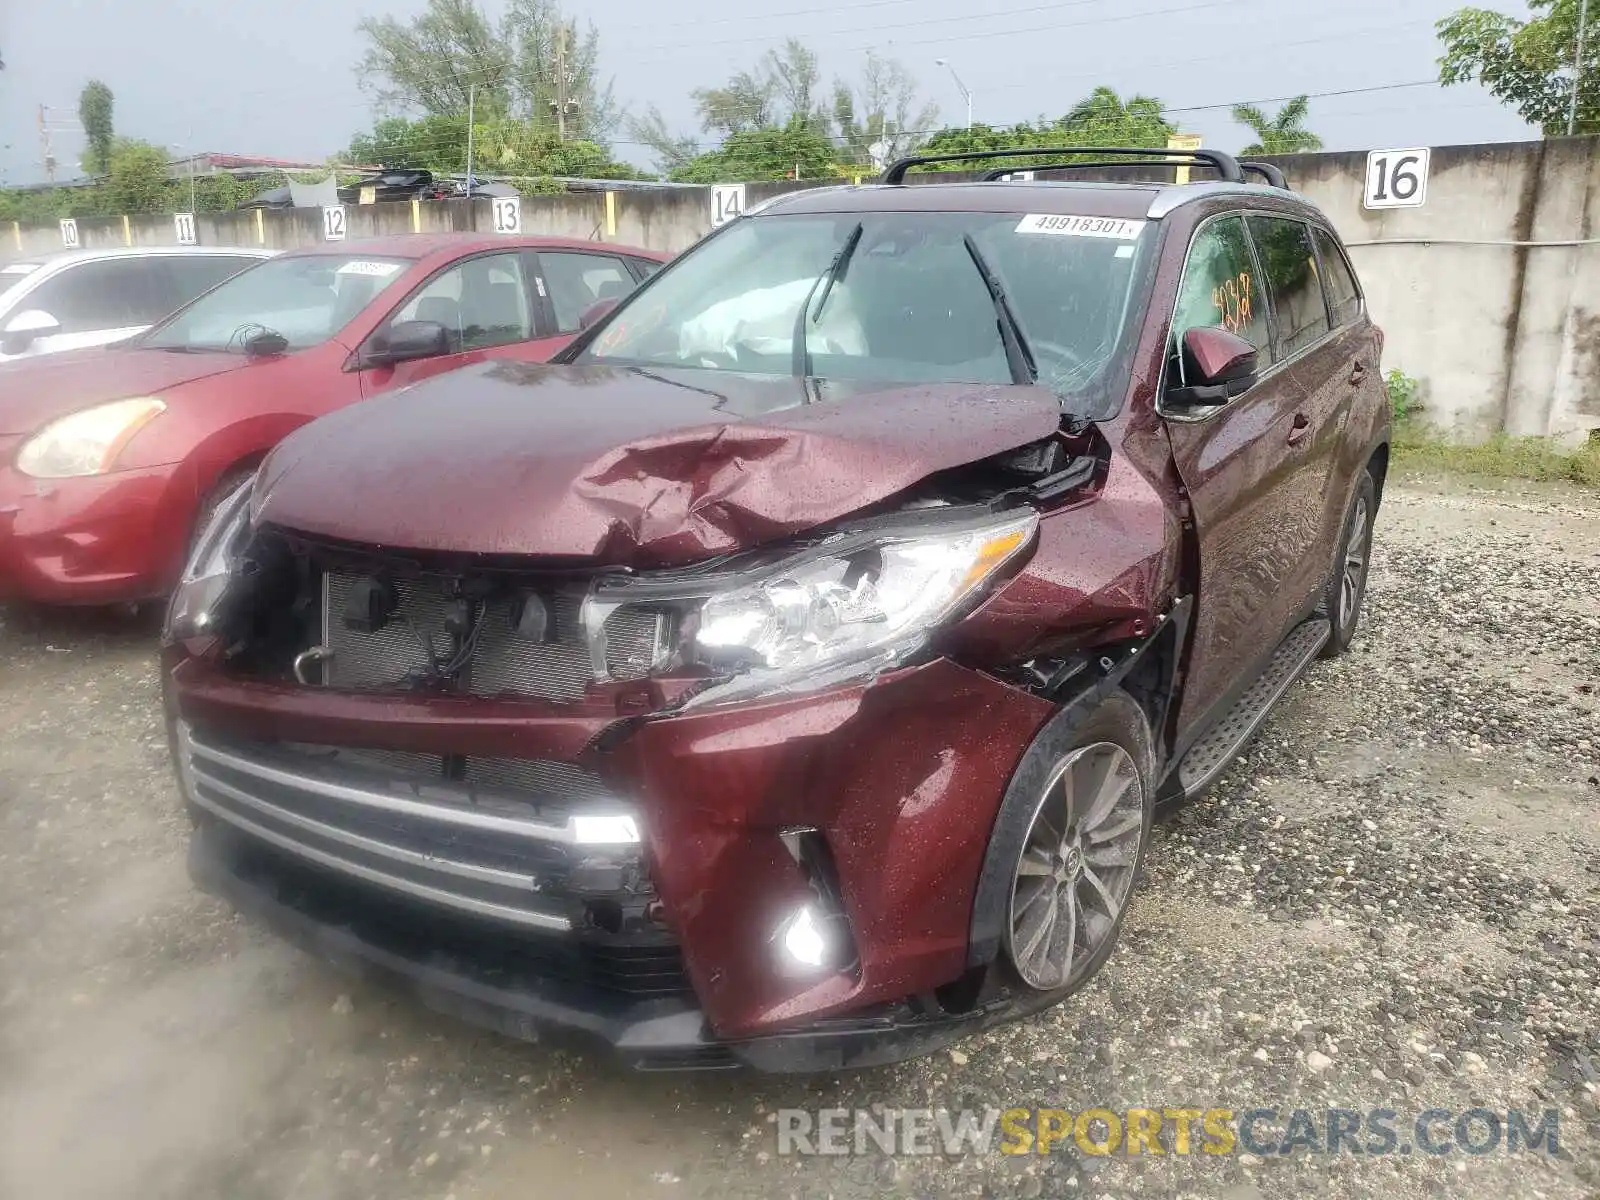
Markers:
{"x": 108, "y": 457}
{"x": 788, "y": 673}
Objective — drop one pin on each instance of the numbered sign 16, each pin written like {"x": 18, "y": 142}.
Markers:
{"x": 507, "y": 214}
{"x": 333, "y": 223}
{"x": 727, "y": 203}
{"x": 183, "y": 223}
{"x": 1397, "y": 178}
{"x": 69, "y": 233}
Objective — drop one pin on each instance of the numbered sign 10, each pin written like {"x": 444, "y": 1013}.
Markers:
{"x": 727, "y": 203}
{"x": 69, "y": 233}
{"x": 333, "y": 223}
{"x": 183, "y": 223}
{"x": 1397, "y": 178}
{"x": 507, "y": 214}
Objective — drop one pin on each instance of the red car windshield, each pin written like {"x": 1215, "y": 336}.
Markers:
{"x": 307, "y": 299}
{"x": 896, "y": 297}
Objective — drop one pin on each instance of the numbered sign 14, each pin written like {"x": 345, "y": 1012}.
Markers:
{"x": 333, "y": 223}
{"x": 183, "y": 223}
{"x": 69, "y": 233}
{"x": 727, "y": 203}
{"x": 507, "y": 214}
{"x": 1397, "y": 178}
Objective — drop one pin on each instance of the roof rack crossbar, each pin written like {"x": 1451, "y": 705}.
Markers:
{"x": 1225, "y": 165}
{"x": 995, "y": 174}
{"x": 1273, "y": 176}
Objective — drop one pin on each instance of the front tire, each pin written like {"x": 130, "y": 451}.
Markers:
{"x": 1347, "y": 582}
{"x": 1092, "y": 787}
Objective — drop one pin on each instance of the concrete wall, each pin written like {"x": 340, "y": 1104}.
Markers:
{"x": 1500, "y": 335}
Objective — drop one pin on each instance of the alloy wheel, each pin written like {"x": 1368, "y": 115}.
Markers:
{"x": 1076, "y": 870}
{"x": 1356, "y": 554}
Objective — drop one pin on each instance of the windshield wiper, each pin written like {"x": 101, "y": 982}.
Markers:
{"x": 825, "y": 281}
{"x": 1018, "y": 356}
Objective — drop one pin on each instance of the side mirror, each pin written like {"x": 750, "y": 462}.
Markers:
{"x": 596, "y": 311}
{"x": 406, "y": 341}
{"x": 23, "y": 328}
{"x": 1218, "y": 365}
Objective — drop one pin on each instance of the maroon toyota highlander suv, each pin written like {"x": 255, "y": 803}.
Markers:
{"x": 787, "y": 675}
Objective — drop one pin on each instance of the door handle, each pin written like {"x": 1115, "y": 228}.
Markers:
{"x": 1298, "y": 430}
{"x": 1358, "y": 372}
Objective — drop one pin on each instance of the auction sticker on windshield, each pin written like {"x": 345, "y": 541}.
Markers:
{"x": 1099, "y": 227}
{"x": 380, "y": 269}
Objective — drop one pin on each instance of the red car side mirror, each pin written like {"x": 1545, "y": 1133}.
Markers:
{"x": 1217, "y": 365}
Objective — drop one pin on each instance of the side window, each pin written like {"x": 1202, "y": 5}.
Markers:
{"x": 480, "y": 301}
{"x": 645, "y": 267}
{"x": 1220, "y": 288}
{"x": 109, "y": 294}
{"x": 195, "y": 274}
{"x": 1289, "y": 262}
{"x": 1344, "y": 298}
{"x": 576, "y": 280}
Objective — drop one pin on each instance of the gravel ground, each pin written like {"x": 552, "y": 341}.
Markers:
{"x": 1394, "y": 901}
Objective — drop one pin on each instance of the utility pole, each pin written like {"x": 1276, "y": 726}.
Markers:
{"x": 44, "y": 145}
{"x": 965, "y": 93}
{"x": 563, "y": 105}
{"x": 472, "y": 95}
{"x": 1577, "y": 67}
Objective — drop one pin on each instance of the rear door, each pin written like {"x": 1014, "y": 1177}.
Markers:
{"x": 573, "y": 281}
{"x": 1238, "y": 463}
{"x": 1320, "y": 357}
{"x": 487, "y": 308}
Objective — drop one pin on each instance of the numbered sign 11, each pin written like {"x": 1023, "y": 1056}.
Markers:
{"x": 69, "y": 233}
{"x": 1397, "y": 178}
{"x": 183, "y": 223}
{"x": 507, "y": 214}
{"x": 727, "y": 203}
{"x": 333, "y": 223}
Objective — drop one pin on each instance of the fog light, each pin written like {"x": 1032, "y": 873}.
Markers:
{"x": 805, "y": 940}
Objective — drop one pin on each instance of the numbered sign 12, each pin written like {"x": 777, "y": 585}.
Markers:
{"x": 507, "y": 214}
{"x": 1397, "y": 178}
{"x": 727, "y": 203}
{"x": 333, "y": 223}
{"x": 183, "y": 223}
{"x": 69, "y": 233}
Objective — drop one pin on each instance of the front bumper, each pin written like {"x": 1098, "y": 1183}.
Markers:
{"x": 901, "y": 777}
{"x": 93, "y": 540}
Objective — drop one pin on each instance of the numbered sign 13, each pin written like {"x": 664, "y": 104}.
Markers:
{"x": 69, "y": 233}
{"x": 507, "y": 214}
{"x": 333, "y": 223}
{"x": 727, "y": 203}
{"x": 1397, "y": 178}
{"x": 183, "y": 223}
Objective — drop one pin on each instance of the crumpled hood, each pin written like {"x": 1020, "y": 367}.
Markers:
{"x": 626, "y": 466}
{"x": 35, "y": 391}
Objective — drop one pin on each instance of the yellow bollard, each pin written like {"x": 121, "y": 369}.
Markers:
{"x": 16, "y": 233}
{"x": 261, "y": 229}
{"x": 127, "y": 231}
{"x": 416, "y": 215}
{"x": 611, "y": 214}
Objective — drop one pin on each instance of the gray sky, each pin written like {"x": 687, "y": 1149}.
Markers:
{"x": 278, "y": 79}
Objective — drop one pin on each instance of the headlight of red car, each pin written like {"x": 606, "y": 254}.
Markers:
{"x": 87, "y": 442}
{"x": 205, "y": 579}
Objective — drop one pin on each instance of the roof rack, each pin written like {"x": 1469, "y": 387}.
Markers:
{"x": 995, "y": 174}
{"x": 1225, "y": 165}
{"x": 1267, "y": 171}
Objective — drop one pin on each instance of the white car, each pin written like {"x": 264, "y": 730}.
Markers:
{"x": 82, "y": 298}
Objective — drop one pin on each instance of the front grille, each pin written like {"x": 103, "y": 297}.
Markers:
{"x": 558, "y": 668}
{"x": 516, "y": 858}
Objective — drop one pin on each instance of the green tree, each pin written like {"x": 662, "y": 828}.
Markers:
{"x": 1283, "y": 134}
{"x": 136, "y": 179}
{"x": 1527, "y": 64}
{"x": 453, "y": 56}
{"x": 880, "y": 110}
{"x": 94, "y": 113}
{"x": 501, "y": 146}
{"x": 1101, "y": 118}
{"x": 773, "y": 152}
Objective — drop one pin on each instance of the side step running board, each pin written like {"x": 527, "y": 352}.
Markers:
{"x": 1212, "y": 753}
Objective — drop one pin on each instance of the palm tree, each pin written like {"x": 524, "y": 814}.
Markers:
{"x": 1283, "y": 134}
{"x": 1103, "y": 118}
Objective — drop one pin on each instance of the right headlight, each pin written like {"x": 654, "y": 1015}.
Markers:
{"x": 848, "y": 607}
{"x": 86, "y": 442}
{"x": 193, "y": 610}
